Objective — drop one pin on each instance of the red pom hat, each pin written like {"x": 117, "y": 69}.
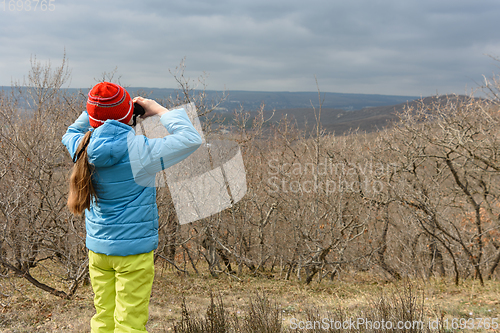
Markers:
{"x": 108, "y": 101}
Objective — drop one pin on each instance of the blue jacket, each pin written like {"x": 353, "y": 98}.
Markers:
{"x": 124, "y": 219}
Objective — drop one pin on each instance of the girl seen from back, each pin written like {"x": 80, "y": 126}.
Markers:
{"x": 121, "y": 216}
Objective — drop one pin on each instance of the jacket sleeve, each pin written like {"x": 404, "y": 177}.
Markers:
{"x": 154, "y": 155}
{"x": 75, "y": 133}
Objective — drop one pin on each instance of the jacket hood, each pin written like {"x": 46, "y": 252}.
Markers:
{"x": 108, "y": 143}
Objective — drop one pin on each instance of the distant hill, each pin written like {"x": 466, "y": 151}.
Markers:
{"x": 252, "y": 100}
{"x": 368, "y": 119}
{"x": 340, "y": 112}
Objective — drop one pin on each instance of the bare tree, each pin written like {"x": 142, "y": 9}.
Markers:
{"x": 38, "y": 235}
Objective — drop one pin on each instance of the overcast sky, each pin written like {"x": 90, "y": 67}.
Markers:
{"x": 398, "y": 47}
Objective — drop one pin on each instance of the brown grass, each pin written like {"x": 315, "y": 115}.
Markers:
{"x": 36, "y": 311}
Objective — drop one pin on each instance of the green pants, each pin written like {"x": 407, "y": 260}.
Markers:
{"x": 122, "y": 287}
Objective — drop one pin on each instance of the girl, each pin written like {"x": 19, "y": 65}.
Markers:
{"x": 121, "y": 216}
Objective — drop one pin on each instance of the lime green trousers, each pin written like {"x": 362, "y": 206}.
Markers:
{"x": 122, "y": 288}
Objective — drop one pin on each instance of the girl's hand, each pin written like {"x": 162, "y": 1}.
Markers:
{"x": 150, "y": 106}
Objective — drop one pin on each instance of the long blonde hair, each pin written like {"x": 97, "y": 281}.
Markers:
{"x": 81, "y": 190}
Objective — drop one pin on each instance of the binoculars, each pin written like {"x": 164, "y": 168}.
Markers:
{"x": 138, "y": 111}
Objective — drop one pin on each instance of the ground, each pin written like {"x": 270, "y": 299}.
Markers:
{"x": 28, "y": 309}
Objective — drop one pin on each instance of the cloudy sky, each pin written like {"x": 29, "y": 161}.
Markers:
{"x": 398, "y": 47}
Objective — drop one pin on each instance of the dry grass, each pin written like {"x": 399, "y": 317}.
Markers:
{"x": 28, "y": 309}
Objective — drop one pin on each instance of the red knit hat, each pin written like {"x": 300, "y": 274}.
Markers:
{"x": 108, "y": 101}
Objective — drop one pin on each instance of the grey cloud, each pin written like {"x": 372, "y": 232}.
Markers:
{"x": 389, "y": 47}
